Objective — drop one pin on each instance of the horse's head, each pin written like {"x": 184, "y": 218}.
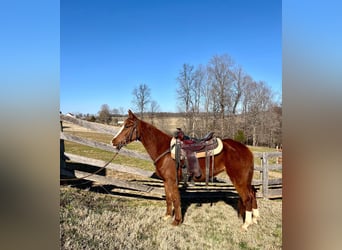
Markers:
{"x": 129, "y": 131}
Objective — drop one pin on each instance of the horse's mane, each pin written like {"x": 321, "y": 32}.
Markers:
{"x": 153, "y": 131}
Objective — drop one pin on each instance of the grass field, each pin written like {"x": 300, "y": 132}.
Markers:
{"x": 103, "y": 217}
{"x": 92, "y": 220}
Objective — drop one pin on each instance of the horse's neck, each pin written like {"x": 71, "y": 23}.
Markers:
{"x": 155, "y": 141}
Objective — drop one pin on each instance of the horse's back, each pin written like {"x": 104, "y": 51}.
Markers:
{"x": 239, "y": 158}
{"x": 237, "y": 148}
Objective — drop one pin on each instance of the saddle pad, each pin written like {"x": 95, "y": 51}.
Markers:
{"x": 215, "y": 151}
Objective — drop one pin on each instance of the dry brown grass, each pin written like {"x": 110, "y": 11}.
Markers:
{"x": 91, "y": 220}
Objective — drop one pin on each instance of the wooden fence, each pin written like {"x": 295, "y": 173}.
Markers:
{"x": 269, "y": 187}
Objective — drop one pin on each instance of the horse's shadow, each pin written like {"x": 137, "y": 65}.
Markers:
{"x": 207, "y": 197}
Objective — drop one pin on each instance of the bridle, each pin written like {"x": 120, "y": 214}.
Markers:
{"x": 128, "y": 138}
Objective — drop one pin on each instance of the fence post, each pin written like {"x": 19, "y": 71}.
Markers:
{"x": 61, "y": 150}
{"x": 264, "y": 175}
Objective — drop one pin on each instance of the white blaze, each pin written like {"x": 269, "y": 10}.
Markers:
{"x": 122, "y": 127}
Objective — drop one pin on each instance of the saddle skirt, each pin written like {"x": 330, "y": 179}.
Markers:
{"x": 213, "y": 146}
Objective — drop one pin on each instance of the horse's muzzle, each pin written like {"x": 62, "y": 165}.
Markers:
{"x": 118, "y": 146}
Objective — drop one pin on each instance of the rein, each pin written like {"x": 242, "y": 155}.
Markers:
{"x": 97, "y": 171}
{"x": 127, "y": 140}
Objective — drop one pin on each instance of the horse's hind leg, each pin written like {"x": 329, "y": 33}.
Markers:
{"x": 255, "y": 210}
{"x": 246, "y": 205}
{"x": 248, "y": 214}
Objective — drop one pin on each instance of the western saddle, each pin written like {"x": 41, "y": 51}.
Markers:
{"x": 186, "y": 148}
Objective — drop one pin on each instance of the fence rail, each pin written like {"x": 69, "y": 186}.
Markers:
{"x": 270, "y": 187}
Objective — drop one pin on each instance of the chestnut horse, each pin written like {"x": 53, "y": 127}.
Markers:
{"x": 235, "y": 158}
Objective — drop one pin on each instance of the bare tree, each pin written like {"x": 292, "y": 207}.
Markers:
{"x": 122, "y": 111}
{"x": 115, "y": 111}
{"x": 141, "y": 97}
{"x": 185, "y": 80}
{"x": 190, "y": 95}
{"x": 257, "y": 100}
{"x": 154, "y": 107}
{"x": 198, "y": 91}
{"x": 219, "y": 74}
{"x": 206, "y": 90}
{"x": 270, "y": 132}
{"x": 276, "y": 126}
{"x": 240, "y": 80}
{"x": 184, "y": 92}
{"x": 104, "y": 114}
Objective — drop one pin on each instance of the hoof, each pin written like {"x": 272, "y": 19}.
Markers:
{"x": 255, "y": 220}
{"x": 166, "y": 217}
{"x": 244, "y": 228}
{"x": 176, "y": 222}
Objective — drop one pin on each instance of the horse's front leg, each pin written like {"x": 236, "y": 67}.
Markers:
{"x": 168, "y": 195}
{"x": 173, "y": 198}
{"x": 176, "y": 204}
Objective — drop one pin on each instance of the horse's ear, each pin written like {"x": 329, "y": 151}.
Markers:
{"x": 130, "y": 114}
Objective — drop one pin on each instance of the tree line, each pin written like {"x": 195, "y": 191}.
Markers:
{"x": 222, "y": 97}
{"x": 219, "y": 97}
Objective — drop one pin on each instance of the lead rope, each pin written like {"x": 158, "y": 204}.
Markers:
{"x": 97, "y": 171}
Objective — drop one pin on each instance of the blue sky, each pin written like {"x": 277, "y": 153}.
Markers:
{"x": 110, "y": 47}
